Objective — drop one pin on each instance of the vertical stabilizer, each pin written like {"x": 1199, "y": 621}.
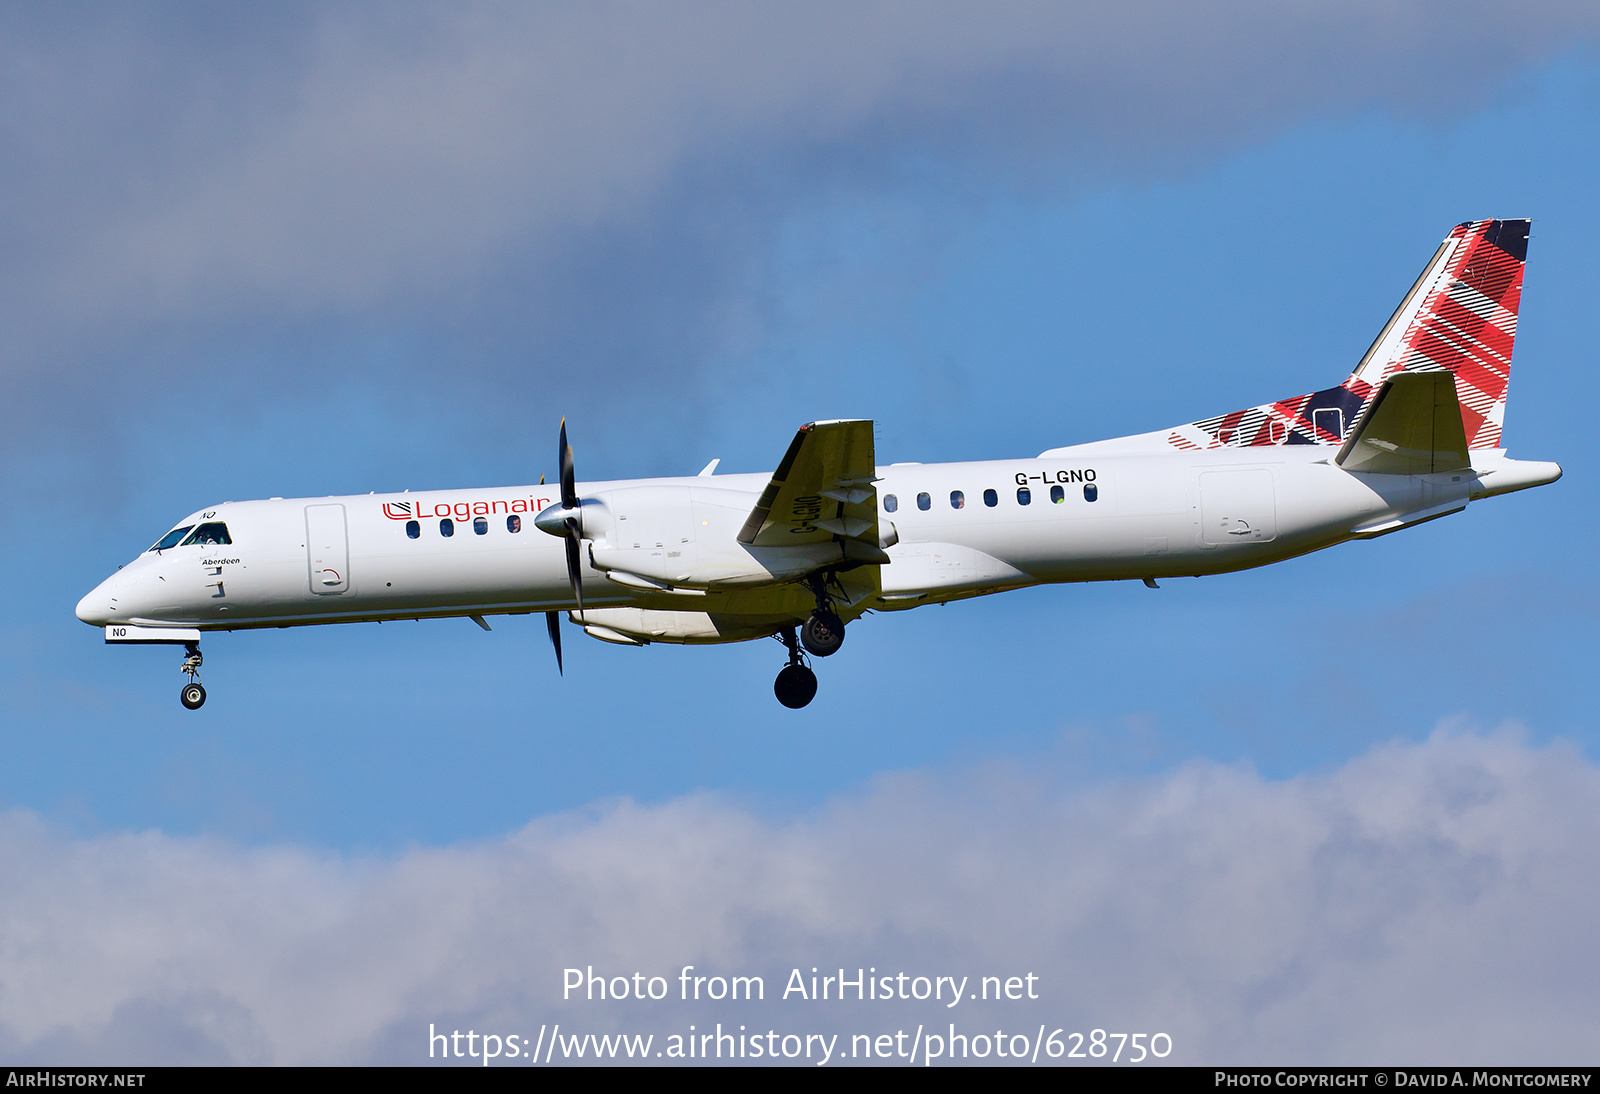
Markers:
{"x": 1464, "y": 322}
{"x": 1460, "y": 317}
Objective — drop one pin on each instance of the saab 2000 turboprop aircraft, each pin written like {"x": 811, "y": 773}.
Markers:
{"x": 1412, "y": 434}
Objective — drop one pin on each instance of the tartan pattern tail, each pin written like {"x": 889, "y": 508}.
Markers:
{"x": 1459, "y": 317}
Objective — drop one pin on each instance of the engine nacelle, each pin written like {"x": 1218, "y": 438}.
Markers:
{"x": 687, "y": 537}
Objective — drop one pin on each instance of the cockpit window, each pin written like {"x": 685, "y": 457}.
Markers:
{"x": 214, "y": 532}
{"x": 171, "y": 538}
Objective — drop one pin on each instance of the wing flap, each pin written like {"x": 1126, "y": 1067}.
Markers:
{"x": 848, "y": 527}
{"x": 851, "y": 492}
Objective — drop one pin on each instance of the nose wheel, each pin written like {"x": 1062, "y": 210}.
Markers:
{"x": 796, "y": 684}
{"x": 193, "y": 695}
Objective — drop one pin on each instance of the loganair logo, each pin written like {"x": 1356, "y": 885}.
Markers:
{"x": 460, "y": 510}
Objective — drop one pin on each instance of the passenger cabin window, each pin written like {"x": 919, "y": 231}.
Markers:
{"x": 172, "y": 538}
{"x": 1058, "y": 494}
{"x": 480, "y": 525}
{"x": 924, "y": 502}
{"x": 514, "y": 523}
{"x": 990, "y": 498}
{"x": 1090, "y": 491}
{"x": 1024, "y": 496}
{"x": 413, "y": 529}
{"x": 214, "y": 532}
{"x": 958, "y": 500}
{"x": 447, "y": 527}
{"x": 890, "y": 503}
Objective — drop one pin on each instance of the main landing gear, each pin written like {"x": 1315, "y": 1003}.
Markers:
{"x": 823, "y": 631}
{"x": 796, "y": 684}
{"x": 821, "y": 634}
{"x": 193, "y": 695}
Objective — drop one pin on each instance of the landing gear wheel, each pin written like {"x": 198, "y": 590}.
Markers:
{"x": 193, "y": 695}
{"x": 795, "y": 687}
{"x": 822, "y": 634}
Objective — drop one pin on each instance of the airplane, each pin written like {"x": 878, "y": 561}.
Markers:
{"x": 1412, "y": 435}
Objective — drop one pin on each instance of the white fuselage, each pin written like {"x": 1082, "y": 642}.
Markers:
{"x": 1144, "y": 515}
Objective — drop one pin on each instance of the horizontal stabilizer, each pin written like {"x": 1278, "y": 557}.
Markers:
{"x": 1412, "y": 427}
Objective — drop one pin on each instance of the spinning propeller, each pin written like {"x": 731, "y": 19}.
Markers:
{"x": 566, "y": 522}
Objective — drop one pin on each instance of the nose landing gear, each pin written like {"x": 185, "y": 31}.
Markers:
{"x": 796, "y": 684}
{"x": 193, "y": 695}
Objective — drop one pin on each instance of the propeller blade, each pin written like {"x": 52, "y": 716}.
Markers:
{"x": 569, "y": 487}
{"x": 569, "y": 500}
{"x": 575, "y": 560}
{"x": 553, "y": 621}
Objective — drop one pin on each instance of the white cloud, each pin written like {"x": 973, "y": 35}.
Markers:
{"x": 1424, "y": 903}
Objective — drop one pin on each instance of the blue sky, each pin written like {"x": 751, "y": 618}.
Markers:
{"x": 967, "y": 328}
{"x": 979, "y": 290}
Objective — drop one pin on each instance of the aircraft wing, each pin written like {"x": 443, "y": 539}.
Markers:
{"x": 822, "y": 490}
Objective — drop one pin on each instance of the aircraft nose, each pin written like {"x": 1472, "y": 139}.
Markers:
{"x": 96, "y": 609}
